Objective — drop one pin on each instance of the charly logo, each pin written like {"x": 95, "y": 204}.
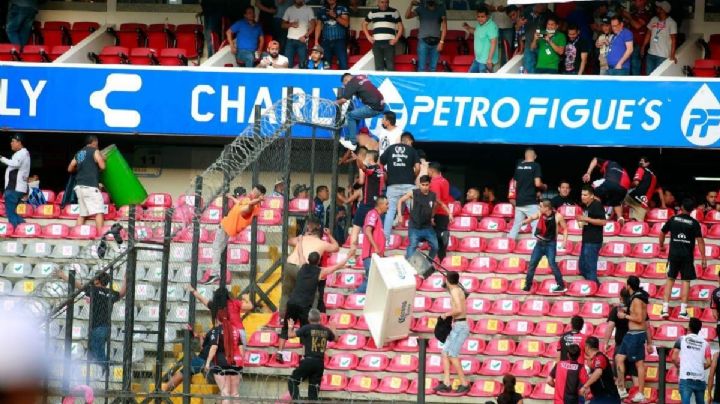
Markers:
{"x": 117, "y": 118}
{"x": 394, "y": 102}
{"x": 700, "y": 122}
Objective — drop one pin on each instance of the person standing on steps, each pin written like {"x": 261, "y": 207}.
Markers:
{"x": 528, "y": 180}
{"x": 459, "y": 333}
{"x": 546, "y": 234}
{"x": 16, "y": 175}
{"x": 634, "y": 344}
{"x": 87, "y": 164}
{"x": 592, "y": 221}
{"x": 314, "y": 338}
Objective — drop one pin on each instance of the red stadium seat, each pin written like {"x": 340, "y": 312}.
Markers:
{"x": 245, "y": 238}
{"x": 362, "y": 384}
{"x": 341, "y": 361}
{"x": 518, "y": 327}
{"x": 546, "y": 288}
{"x": 505, "y": 307}
{"x": 422, "y": 303}
{"x": 9, "y": 52}
{"x": 173, "y": 57}
{"x": 526, "y": 368}
{"x": 345, "y": 280}
{"x": 434, "y": 283}
{"x": 350, "y": 342}
{"x": 512, "y": 265}
{"x": 574, "y": 228}
{"x": 472, "y": 346}
{"x": 433, "y": 364}
{"x": 269, "y": 217}
{"x": 56, "y": 230}
{"x": 425, "y": 324}
{"x": 615, "y": 249}
{"x": 463, "y": 223}
{"x": 485, "y": 388}
{"x": 477, "y": 305}
{"x": 55, "y": 33}
{"x": 492, "y": 225}
{"x": 290, "y": 360}
{"x": 712, "y": 251}
{"x": 517, "y": 287}
{"x": 525, "y": 246}
{"x": 610, "y": 289}
{"x": 190, "y": 38}
{"x": 462, "y": 63}
{"x": 611, "y": 229}
{"x": 709, "y": 333}
{"x": 263, "y": 339}
{"x": 142, "y": 56}
{"x": 712, "y": 217}
{"x": 256, "y": 358}
{"x": 488, "y": 326}
{"x": 552, "y": 350}
{"x": 494, "y": 285}
{"x": 6, "y": 229}
{"x": 495, "y": 367}
{"x": 710, "y": 273}
{"x": 547, "y": 328}
{"x": 473, "y": 244}
{"x": 333, "y": 382}
{"x": 113, "y": 55}
{"x": 35, "y": 54}
{"x": 500, "y": 245}
{"x": 430, "y": 383}
{"x": 47, "y": 211}
{"x": 500, "y": 347}
{"x": 714, "y": 232}
{"x": 668, "y": 332}
{"x": 404, "y": 363}
{"x": 456, "y": 263}
{"x": 701, "y": 292}
{"x": 535, "y": 308}
{"x": 440, "y": 305}
{"x": 645, "y": 250}
{"x": 158, "y": 199}
{"x": 211, "y": 215}
{"x": 237, "y": 256}
{"x": 393, "y": 385}
{"x": 569, "y": 267}
{"x": 354, "y": 301}
{"x": 595, "y": 310}
{"x": 154, "y": 214}
{"x": 582, "y": 288}
{"x": 160, "y": 35}
{"x": 27, "y": 230}
{"x": 624, "y": 269}
{"x": 406, "y": 63}
{"x": 482, "y": 265}
{"x": 477, "y": 209}
{"x": 123, "y": 213}
{"x": 131, "y": 35}
{"x": 505, "y": 210}
{"x": 543, "y": 391}
{"x": 373, "y": 362}
{"x": 659, "y": 215}
{"x": 570, "y": 211}
{"x": 409, "y": 344}
{"x": 531, "y": 348}
{"x": 634, "y": 229}
{"x": 564, "y": 309}
{"x": 81, "y": 30}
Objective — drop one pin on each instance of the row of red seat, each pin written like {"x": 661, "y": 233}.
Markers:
{"x": 140, "y": 56}
{"x": 61, "y": 33}
{"x": 31, "y": 53}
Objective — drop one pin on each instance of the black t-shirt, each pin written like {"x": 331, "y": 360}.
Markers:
{"x": 216, "y": 337}
{"x": 590, "y": 232}
{"x": 365, "y": 90}
{"x": 374, "y": 184}
{"x": 206, "y": 344}
{"x": 558, "y": 201}
{"x": 399, "y": 161}
{"x": 683, "y": 232}
{"x": 101, "y": 303}
{"x": 305, "y": 285}
{"x": 613, "y": 172}
{"x": 546, "y": 228}
{"x": 314, "y": 338}
{"x": 88, "y": 171}
{"x": 516, "y": 397}
{"x": 580, "y": 45}
{"x": 525, "y": 174}
{"x": 621, "y": 325}
{"x": 572, "y": 338}
{"x": 605, "y": 385}
{"x": 422, "y": 207}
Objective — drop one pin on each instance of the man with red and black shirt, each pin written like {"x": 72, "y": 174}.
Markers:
{"x": 612, "y": 188}
{"x": 373, "y": 238}
{"x": 568, "y": 376}
{"x": 644, "y": 185}
{"x": 601, "y": 381}
{"x": 441, "y": 187}
{"x": 372, "y": 180}
{"x": 573, "y": 337}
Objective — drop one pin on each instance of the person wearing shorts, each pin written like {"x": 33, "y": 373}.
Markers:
{"x": 372, "y": 180}
{"x": 613, "y": 187}
{"x": 226, "y": 375}
{"x": 196, "y": 362}
{"x": 454, "y": 342}
{"x": 86, "y": 166}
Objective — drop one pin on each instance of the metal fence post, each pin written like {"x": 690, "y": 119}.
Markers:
{"x": 286, "y": 173}
{"x": 662, "y": 366}
{"x": 160, "y": 352}
{"x": 225, "y": 208}
{"x": 421, "y": 371}
{"x": 254, "y": 226}
{"x": 69, "y": 314}
{"x": 194, "y": 255}
{"x": 334, "y": 182}
{"x": 129, "y": 304}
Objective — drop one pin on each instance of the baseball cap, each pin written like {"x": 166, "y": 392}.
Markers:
{"x": 279, "y": 181}
{"x": 605, "y": 20}
{"x": 664, "y": 5}
{"x": 18, "y": 137}
{"x": 318, "y": 48}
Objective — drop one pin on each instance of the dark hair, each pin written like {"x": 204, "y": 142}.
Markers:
{"x": 592, "y": 343}
{"x": 617, "y": 18}
{"x": 238, "y": 191}
{"x": 634, "y": 282}
{"x": 248, "y": 7}
{"x": 260, "y": 188}
{"x": 553, "y": 18}
{"x": 572, "y": 26}
{"x": 508, "y": 392}
{"x": 695, "y": 325}
{"x": 624, "y": 295}
{"x": 424, "y": 178}
{"x": 509, "y": 9}
{"x": 563, "y": 181}
{"x": 321, "y": 188}
{"x": 436, "y": 166}
{"x": 452, "y": 277}
{"x": 546, "y": 203}
{"x": 407, "y": 135}
{"x": 577, "y": 323}
{"x": 313, "y": 225}
{"x": 380, "y": 198}
{"x": 90, "y": 138}
{"x": 421, "y": 153}
{"x": 340, "y": 189}
{"x": 103, "y": 278}
{"x": 688, "y": 205}
{"x": 482, "y": 9}
{"x": 345, "y": 75}
{"x": 218, "y": 302}
{"x": 390, "y": 117}
{"x": 573, "y": 351}
{"x": 589, "y": 189}
{"x": 645, "y": 158}
{"x": 374, "y": 154}
{"x": 314, "y": 258}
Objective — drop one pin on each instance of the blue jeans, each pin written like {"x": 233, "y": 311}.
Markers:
{"x": 544, "y": 249}
{"x": 618, "y": 72}
{"x": 98, "y": 344}
{"x": 213, "y": 23}
{"x": 337, "y": 48}
{"x": 652, "y": 63}
{"x": 688, "y": 387}
{"x": 12, "y": 198}
{"x": 418, "y": 235}
{"x": 529, "y": 60}
{"x": 636, "y": 61}
{"x": 394, "y": 193}
{"x": 355, "y": 116}
{"x": 522, "y": 212}
{"x": 294, "y": 46}
{"x": 366, "y": 265}
{"x": 427, "y": 53}
{"x": 507, "y": 34}
{"x": 19, "y": 24}
{"x": 588, "y": 260}
{"x": 245, "y": 57}
{"x": 478, "y": 67}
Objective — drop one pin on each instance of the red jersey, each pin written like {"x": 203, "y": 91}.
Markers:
{"x": 441, "y": 187}
{"x": 647, "y": 183}
{"x": 572, "y": 338}
{"x": 569, "y": 376}
{"x": 614, "y": 172}
{"x": 373, "y": 221}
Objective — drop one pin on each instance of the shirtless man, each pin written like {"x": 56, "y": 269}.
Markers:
{"x": 633, "y": 345}
{"x": 454, "y": 341}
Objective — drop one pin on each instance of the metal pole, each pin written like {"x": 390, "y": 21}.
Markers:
{"x": 662, "y": 354}
{"x": 313, "y": 144}
{"x": 421, "y": 371}
{"x": 225, "y": 208}
{"x": 334, "y": 182}
{"x": 129, "y": 303}
{"x": 286, "y": 174}
{"x": 254, "y": 226}
{"x": 159, "y": 351}
{"x": 193, "y": 282}
{"x": 69, "y": 313}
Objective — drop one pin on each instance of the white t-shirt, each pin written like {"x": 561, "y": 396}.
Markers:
{"x": 303, "y": 15}
{"x": 660, "y": 32}
{"x": 271, "y": 63}
{"x": 500, "y": 18}
{"x": 388, "y": 137}
{"x": 693, "y": 352}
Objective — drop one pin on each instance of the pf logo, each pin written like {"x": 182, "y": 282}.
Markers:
{"x": 117, "y": 118}
{"x": 700, "y": 122}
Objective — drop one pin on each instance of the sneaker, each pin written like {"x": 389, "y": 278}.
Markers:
{"x": 559, "y": 289}
{"x": 462, "y": 389}
{"x": 347, "y": 144}
{"x": 665, "y": 314}
{"x": 442, "y": 387}
{"x": 638, "y": 397}
{"x": 527, "y": 288}
{"x": 211, "y": 280}
{"x": 623, "y": 393}
{"x": 684, "y": 315}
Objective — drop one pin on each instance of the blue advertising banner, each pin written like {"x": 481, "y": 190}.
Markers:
{"x": 444, "y": 108}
